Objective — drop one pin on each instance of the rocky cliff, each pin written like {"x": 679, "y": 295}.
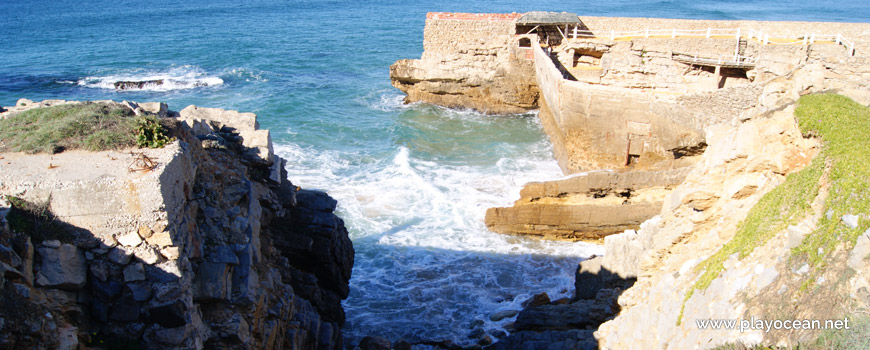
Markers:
{"x": 203, "y": 243}
{"x": 767, "y": 221}
{"x": 587, "y": 206}
{"x": 751, "y": 233}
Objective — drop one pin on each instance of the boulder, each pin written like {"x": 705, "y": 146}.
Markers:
{"x": 141, "y": 291}
{"x": 62, "y": 268}
{"x": 158, "y": 108}
{"x": 119, "y": 256}
{"x": 498, "y": 316}
{"x": 537, "y": 300}
{"x": 67, "y": 337}
{"x": 589, "y": 278}
{"x": 374, "y": 343}
{"x": 134, "y": 272}
{"x": 130, "y": 239}
{"x": 147, "y": 255}
{"x": 577, "y": 315}
{"x": 850, "y": 220}
{"x": 212, "y": 282}
{"x": 160, "y": 239}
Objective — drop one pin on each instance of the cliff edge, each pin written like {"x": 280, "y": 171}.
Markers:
{"x": 203, "y": 243}
{"x": 469, "y": 62}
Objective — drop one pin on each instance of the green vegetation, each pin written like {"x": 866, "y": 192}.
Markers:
{"x": 843, "y": 126}
{"x": 37, "y": 221}
{"x": 88, "y": 126}
{"x": 149, "y": 133}
{"x": 783, "y": 206}
{"x": 856, "y": 337}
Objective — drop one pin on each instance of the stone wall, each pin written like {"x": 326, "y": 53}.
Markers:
{"x": 205, "y": 250}
{"x": 858, "y": 32}
{"x": 601, "y": 126}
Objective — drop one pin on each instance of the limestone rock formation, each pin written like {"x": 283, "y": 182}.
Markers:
{"x": 587, "y": 206}
{"x": 206, "y": 250}
{"x": 470, "y": 61}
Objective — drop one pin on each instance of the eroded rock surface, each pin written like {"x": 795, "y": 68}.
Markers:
{"x": 470, "y": 61}
{"x": 588, "y": 206}
{"x": 207, "y": 250}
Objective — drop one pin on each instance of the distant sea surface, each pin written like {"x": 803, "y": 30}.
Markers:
{"x": 413, "y": 181}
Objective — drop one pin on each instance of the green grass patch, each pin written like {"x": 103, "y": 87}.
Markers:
{"x": 87, "y": 126}
{"x": 843, "y": 127}
{"x": 856, "y": 337}
{"x": 784, "y": 205}
{"x": 36, "y": 221}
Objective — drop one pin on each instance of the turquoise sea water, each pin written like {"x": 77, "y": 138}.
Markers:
{"x": 413, "y": 182}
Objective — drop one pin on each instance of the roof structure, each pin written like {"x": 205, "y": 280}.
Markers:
{"x": 548, "y": 18}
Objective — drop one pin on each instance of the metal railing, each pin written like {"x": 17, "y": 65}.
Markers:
{"x": 735, "y": 61}
{"x": 762, "y": 37}
{"x": 806, "y": 39}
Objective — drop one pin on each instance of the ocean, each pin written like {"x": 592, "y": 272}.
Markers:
{"x": 412, "y": 181}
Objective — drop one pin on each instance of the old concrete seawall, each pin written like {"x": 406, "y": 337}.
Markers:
{"x": 624, "y": 95}
{"x": 211, "y": 247}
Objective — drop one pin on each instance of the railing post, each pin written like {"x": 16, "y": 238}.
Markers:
{"x": 575, "y": 32}
{"x": 838, "y": 38}
{"x": 738, "y": 34}
{"x": 646, "y": 35}
{"x": 674, "y": 33}
{"x": 708, "y": 33}
{"x": 612, "y": 36}
{"x": 806, "y": 37}
{"x": 813, "y": 38}
{"x": 766, "y": 38}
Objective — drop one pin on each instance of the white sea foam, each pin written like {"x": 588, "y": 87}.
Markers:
{"x": 426, "y": 265}
{"x": 175, "y": 78}
{"x": 384, "y": 100}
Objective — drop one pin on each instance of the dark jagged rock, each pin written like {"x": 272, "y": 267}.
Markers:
{"x": 374, "y": 343}
{"x": 136, "y": 85}
{"x": 574, "y": 339}
{"x": 216, "y": 250}
{"x": 312, "y": 231}
{"x": 537, "y": 300}
{"x": 580, "y": 314}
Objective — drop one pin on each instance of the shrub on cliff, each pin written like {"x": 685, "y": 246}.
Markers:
{"x": 88, "y": 126}
{"x": 842, "y": 125}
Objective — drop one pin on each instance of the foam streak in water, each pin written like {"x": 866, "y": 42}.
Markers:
{"x": 426, "y": 266}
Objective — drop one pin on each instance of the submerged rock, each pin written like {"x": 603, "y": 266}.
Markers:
{"x": 135, "y": 85}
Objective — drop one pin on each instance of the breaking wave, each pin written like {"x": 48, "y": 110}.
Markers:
{"x": 175, "y": 78}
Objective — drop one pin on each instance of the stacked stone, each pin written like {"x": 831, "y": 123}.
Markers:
{"x": 178, "y": 262}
